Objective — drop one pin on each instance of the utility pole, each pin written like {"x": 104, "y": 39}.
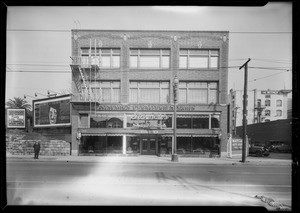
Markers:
{"x": 245, "y": 110}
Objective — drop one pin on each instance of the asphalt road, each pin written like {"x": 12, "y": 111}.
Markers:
{"x": 83, "y": 183}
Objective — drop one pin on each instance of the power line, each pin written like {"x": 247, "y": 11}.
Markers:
{"x": 68, "y": 31}
{"x": 267, "y": 76}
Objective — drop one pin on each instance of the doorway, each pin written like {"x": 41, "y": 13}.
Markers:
{"x": 149, "y": 145}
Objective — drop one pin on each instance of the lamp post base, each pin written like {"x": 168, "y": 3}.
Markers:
{"x": 175, "y": 158}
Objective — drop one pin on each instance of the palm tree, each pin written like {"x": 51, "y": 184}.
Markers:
{"x": 18, "y": 103}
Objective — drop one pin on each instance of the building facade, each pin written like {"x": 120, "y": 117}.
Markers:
{"x": 123, "y": 92}
{"x": 262, "y": 106}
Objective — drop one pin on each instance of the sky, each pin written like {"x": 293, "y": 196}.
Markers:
{"x": 39, "y": 41}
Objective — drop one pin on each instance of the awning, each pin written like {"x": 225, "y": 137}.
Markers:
{"x": 93, "y": 134}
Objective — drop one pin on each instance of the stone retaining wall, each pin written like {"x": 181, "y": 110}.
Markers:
{"x": 15, "y": 145}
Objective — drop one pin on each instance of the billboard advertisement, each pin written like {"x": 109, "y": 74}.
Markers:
{"x": 16, "y": 118}
{"x": 52, "y": 112}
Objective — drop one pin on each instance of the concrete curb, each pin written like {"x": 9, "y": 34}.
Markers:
{"x": 152, "y": 159}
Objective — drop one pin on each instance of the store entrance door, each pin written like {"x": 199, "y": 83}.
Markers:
{"x": 149, "y": 145}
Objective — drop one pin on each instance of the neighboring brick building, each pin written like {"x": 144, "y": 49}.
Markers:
{"x": 263, "y": 106}
{"x": 123, "y": 92}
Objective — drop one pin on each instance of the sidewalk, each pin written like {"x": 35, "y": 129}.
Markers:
{"x": 144, "y": 159}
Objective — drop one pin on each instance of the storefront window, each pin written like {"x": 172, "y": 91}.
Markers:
{"x": 201, "y": 122}
{"x": 184, "y": 145}
{"x": 149, "y": 120}
{"x": 133, "y": 145}
{"x": 107, "y": 121}
{"x": 114, "y": 144}
{"x": 193, "y": 121}
{"x": 165, "y": 145}
{"x": 215, "y": 121}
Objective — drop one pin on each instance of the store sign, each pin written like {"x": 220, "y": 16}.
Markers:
{"x": 237, "y": 144}
{"x": 148, "y": 121}
{"x": 149, "y": 117}
{"x": 269, "y": 92}
{"x": 52, "y": 112}
{"x": 15, "y": 118}
{"x": 144, "y": 107}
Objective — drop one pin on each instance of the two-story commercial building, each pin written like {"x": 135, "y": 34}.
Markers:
{"x": 123, "y": 97}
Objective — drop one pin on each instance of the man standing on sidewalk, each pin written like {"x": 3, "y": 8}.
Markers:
{"x": 36, "y": 147}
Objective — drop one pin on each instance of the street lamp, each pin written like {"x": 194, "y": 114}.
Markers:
{"x": 175, "y": 90}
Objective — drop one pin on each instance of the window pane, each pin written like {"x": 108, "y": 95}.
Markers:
{"x": 213, "y": 96}
{"x": 166, "y": 52}
{"x": 165, "y": 85}
{"x": 116, "y": 95}
{"x": 214, "y": 52}
{"x": 116, "y": 51}
{"x": 106, "y": 51}
{"x": 278, "y": 112}
{"x": 183, "y": 52}
{"x": 116, "y": 61}
{"x": 105, "y": 84}
{"x": 95, "y": 60}
{"x": 164, "y": 96}
{"x": 214, "y": 62}
{"x": 85, "y": 51}
{"x": 198, "y": 52}
{"x": 105, "y": 61}
{"x": 149, "y": 61}
{"x": 150, "y": 52}
{"x": 133, "y": 61}
{"x": 198, "y": 62}
{"x": 149, "y": 96}
{"x": 133, "y": 51}
{"x": 278, "y": 103}
{"x": 215, "y": 121}
{"x": 133, "y": 96}
{"x": 133, "y": 84}
{"x": 183, "y": 61}
{"x": 197, "y": 96}
{"x": 201, "y": 123}
{"x": 106, "y": 95}
{"x": 213, "y": 85}
{"x": 85, "y": 60}
{"x": 182, "y": 96}
{"x": 165, "y": 62}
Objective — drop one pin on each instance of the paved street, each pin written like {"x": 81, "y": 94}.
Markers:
{"x": 119, "y": 182}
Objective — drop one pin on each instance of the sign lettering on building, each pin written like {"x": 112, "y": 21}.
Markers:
{"x": 269, "y": 92}
{"x": 148, "y": 107}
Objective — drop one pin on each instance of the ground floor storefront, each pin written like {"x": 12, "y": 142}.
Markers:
{"x": 149, "y": 130}
{"x": 147, "y": 144}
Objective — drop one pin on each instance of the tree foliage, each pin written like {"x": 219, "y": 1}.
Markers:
{"x": 18, "y": 103}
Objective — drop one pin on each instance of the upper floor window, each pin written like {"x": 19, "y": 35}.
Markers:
{"x": 149, "y": 92}
{"x": 150, "y": 58}
{"x": 278, "y": 103}
{"x": 193, "y": 59}
{"x": 278, "y": 113}
{"x": 103, "y": 57}
{"x": 267, "y": 96}
{"x": 267, "y": 113}
{"x": 103, "y": 91}
{"x": 267, "y": 103}
{"x": 198, "y": 92}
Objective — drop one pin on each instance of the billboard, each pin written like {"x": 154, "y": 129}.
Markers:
{"x": 52, "y": 112}
{"x": 16, "y": 118}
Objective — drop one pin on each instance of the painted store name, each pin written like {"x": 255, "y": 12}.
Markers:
{"x": 147, "y": 107}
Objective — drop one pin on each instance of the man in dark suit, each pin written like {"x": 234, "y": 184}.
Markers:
{"x": 36, "y": 147}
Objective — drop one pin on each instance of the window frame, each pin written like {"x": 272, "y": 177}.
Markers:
{"x": 138, "y": 87}
{"x": 90, "y": 54}
{"x": 139, "y": 54}
{"x": 186, "y": 53}
{"x": 208, "y": 90}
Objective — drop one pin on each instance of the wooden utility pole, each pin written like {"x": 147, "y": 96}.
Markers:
{"x": 245, "y": 110}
